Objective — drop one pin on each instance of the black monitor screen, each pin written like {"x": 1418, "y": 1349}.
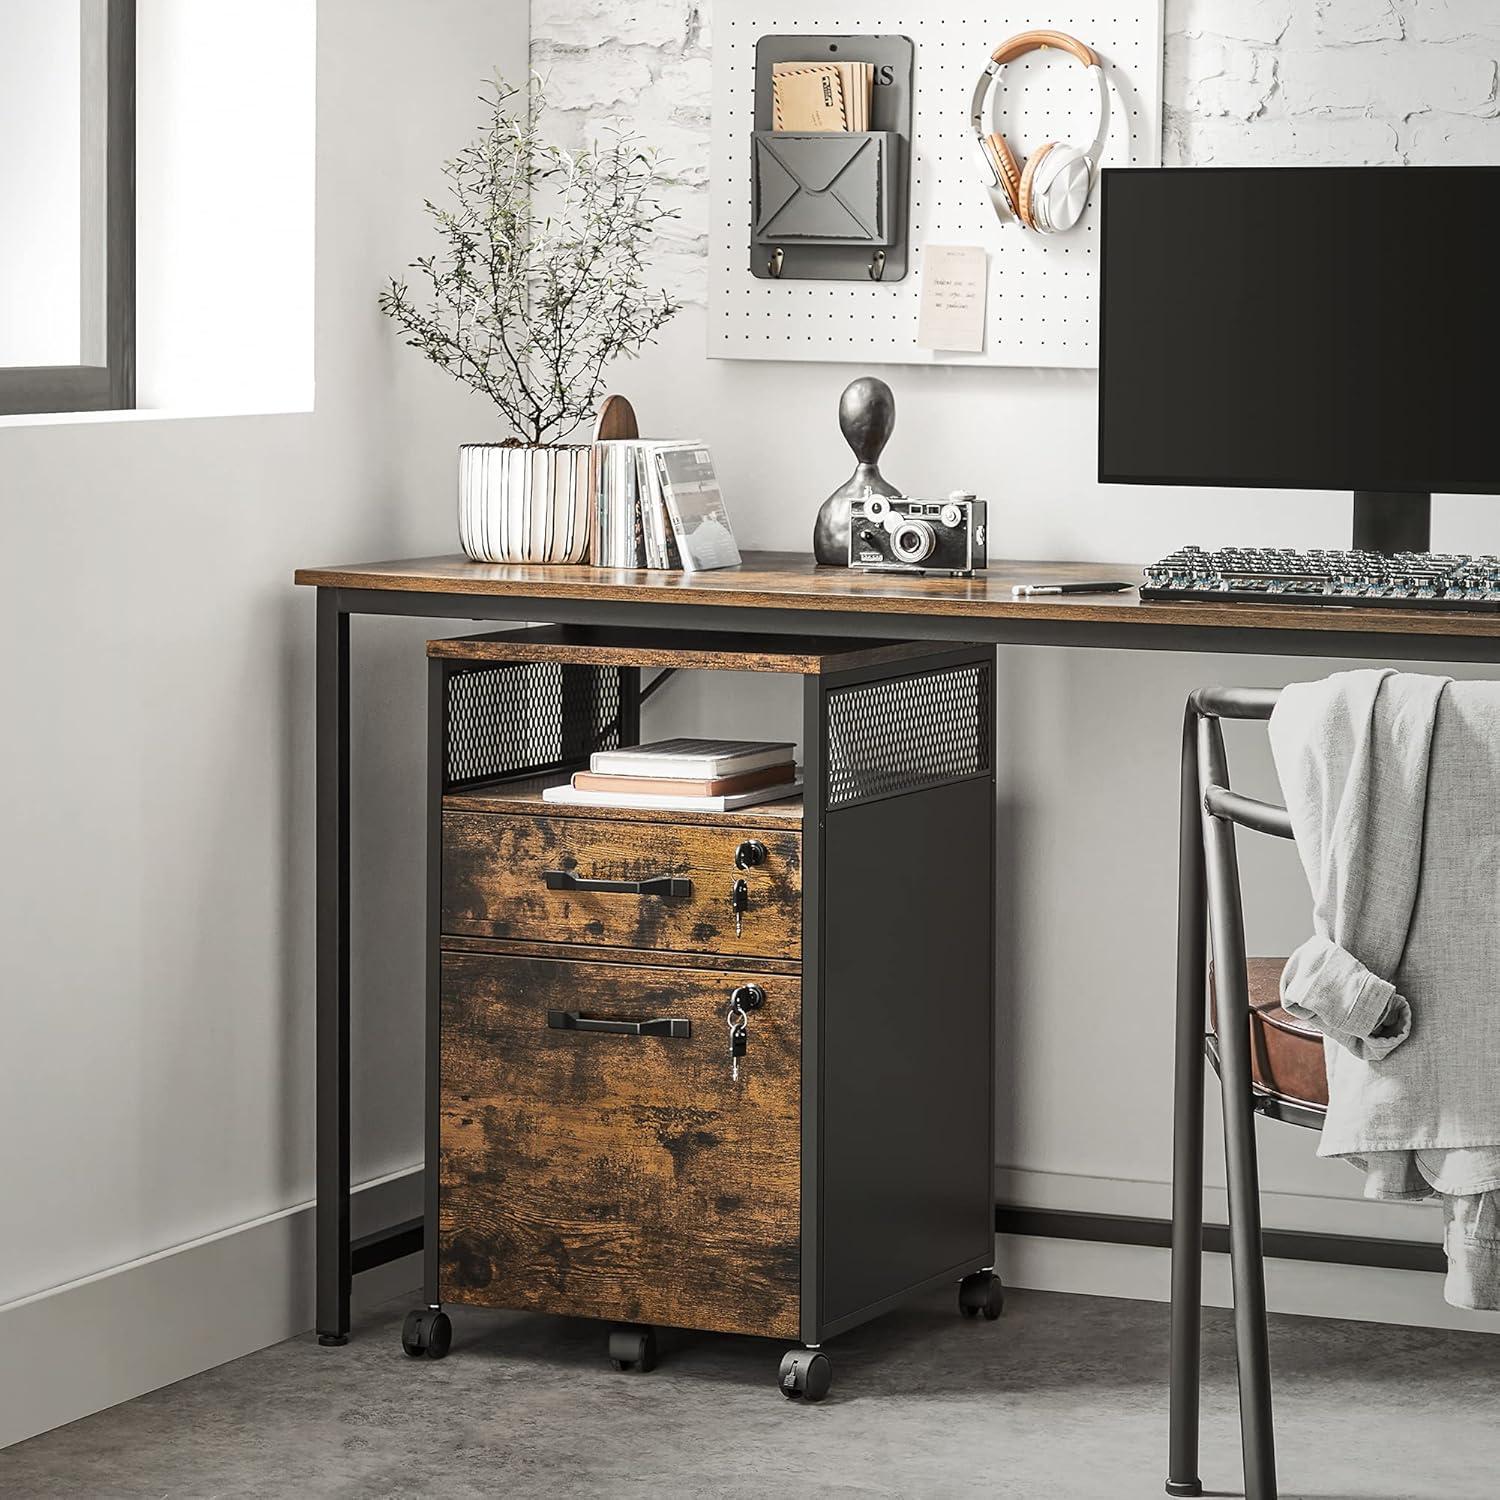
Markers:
{"x": 1307, "y": 328}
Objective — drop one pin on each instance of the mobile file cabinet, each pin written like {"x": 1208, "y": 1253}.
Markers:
{"x": 592, "y": 1148}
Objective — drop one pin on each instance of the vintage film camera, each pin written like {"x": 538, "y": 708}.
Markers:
{"x": 895, "y": 535}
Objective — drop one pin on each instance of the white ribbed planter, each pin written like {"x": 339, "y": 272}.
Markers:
{"x": 519, "y": 504}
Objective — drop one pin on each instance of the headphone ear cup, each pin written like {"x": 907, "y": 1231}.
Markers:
{"x": 1027, "y": 192}
{"x": 1060, "y": 189}
{"x": 1006, "y": 169}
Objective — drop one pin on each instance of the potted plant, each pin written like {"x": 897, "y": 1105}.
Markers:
{"x": 538, "y": 286}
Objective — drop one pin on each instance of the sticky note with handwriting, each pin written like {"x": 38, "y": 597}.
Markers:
{"x": 951, "y": 312}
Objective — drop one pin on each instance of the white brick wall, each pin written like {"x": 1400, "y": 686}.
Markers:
{"x": 1296, "y": 81}
{"x": 645, "y": 64}
{"x": 1332, "y": 81}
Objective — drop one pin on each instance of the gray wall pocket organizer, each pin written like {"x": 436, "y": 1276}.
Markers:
{"x": 833, "y": 206}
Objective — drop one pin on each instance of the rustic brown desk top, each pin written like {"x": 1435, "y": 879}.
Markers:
{"x": 791, "y": 581}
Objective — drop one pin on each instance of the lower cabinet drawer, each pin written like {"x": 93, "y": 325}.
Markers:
{"x": 603, "y": 1174}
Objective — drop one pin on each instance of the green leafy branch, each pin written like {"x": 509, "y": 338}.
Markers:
{"x": 539, "y": 284}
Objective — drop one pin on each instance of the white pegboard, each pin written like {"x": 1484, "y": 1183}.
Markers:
{"x": 1042, "y": 288}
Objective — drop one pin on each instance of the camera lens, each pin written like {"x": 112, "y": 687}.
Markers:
{"x": 913, "y": 541}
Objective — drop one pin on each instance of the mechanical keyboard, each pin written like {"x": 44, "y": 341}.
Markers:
{"x": 1257, "y": 575}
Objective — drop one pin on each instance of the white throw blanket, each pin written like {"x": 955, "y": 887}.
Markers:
{"x": 1393, "y": 785}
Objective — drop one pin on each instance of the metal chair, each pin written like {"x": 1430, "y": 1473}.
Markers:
{"x": 1265, "y": 1062}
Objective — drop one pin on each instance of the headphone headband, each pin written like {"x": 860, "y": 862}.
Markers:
{"x": 1033, "y": 41}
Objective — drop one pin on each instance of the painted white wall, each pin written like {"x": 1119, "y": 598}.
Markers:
{"x": 1088, "y": 739}
{"x": 41, "y": 185}
{"x": 156, "y": 840}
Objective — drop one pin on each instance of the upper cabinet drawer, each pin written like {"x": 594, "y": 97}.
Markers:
{"x": 668, "y": 886}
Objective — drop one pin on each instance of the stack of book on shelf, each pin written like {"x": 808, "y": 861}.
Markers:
{"x": 685, "y": 776}
{"x": 657, "y": 505}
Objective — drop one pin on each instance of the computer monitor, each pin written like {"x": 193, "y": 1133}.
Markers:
{"x": 1304, "y": 328}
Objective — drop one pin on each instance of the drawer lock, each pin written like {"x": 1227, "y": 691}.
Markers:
{"x": 747, "y": 997}
{"x": 749, "y": 854}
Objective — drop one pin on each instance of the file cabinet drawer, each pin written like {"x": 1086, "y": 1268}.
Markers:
{"x": 650, "y": 885}
{"x": 605, "y": 1175}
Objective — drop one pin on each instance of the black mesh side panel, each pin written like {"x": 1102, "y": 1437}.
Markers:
{"x": 906, "y": 733}
{"x": 523, "y": 718}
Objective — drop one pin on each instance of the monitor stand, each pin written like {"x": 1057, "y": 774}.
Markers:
{"x": 1386, "y": 521}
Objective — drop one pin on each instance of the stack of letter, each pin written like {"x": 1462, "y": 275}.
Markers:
{"x": 809, "y": 96}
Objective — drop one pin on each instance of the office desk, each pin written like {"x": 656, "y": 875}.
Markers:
{"x": 779, "y": 593}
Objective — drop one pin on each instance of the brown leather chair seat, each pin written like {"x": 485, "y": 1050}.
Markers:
{"x": 1286, "y": 1057}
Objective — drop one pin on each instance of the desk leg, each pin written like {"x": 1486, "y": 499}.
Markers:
{"x": 334, "y": 1269}
{"x": 1187, "y": 1130}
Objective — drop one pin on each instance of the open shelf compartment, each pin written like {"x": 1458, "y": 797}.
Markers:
{"x": 523, "y": 794}
{"x": 514, "y": 712}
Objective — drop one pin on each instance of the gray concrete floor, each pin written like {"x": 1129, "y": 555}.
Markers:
{"x": 1064, "y": 1396}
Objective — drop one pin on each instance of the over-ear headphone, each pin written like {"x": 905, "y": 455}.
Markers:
{"x": 1051, "y": 192}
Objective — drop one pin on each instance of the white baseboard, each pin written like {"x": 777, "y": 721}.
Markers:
{"x": 93, "y": 1343}
{"x": 1365, "y": 1294}
{"x": 1362, "y": 1293}
{"x": 1317, "y": 1213}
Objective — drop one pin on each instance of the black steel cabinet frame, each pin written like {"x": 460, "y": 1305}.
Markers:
{"x": 864, "y": 1022}
{"x": 872, "y": 1008}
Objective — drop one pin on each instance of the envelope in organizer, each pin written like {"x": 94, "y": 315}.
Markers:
{"x": 828, "y": 187}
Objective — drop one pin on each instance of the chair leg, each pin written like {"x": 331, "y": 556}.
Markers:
{"x": 1187, "y": 1137}
{"x": 1251, "y": 1342}
{"x": 1187, "y": 1285}
{"x": 1227, "y": 926}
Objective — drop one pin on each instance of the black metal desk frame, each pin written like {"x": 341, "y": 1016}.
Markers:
{"x": 339, "y": 1258}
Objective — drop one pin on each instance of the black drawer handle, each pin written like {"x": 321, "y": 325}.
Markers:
{"x": 673, "y": 887}
{"x": 571, "y": 1020}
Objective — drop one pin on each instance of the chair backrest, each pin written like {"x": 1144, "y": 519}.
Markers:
{"x": 1210, "y": 705}
{"x": 1222, "y": 810}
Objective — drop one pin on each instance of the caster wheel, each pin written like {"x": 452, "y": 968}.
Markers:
{"x": 805, "y": 1375}
{"x": 982, "y": 1292}
{"x": 426, "y": 1333}
{"x": 632, "y": 1349}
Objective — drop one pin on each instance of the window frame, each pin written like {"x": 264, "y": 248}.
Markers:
{"x": 34, "y": 389}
